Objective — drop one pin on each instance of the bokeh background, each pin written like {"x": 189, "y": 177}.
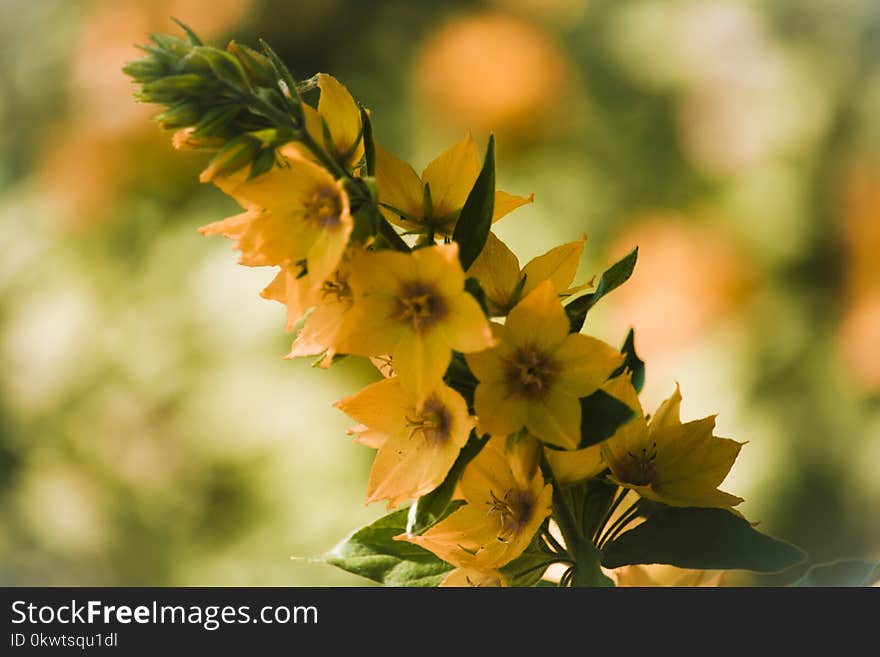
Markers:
{"x": 150, "y": 432}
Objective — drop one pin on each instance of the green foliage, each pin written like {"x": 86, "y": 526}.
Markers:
{"x": 633, "y": 365}
{"x": 613, "y": 277}
{"x": 601, "y": 416}
{"x": 373, "y": 553}
{"x": 843, "y": 572}
{"x": 700, "y": 538}
{"x": 475, "y": 220}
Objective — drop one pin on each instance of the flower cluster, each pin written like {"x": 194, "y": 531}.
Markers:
{"x": 518, "y": 441}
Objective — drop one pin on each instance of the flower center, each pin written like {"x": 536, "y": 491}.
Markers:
{"x": 336, "y": 290}
{"x": 420, "y": 305}
{"x": 514, "y": 512}
{"x": 323, "y": 209}
{"x": 433, "y": 421}
{"x": 531, "y": 372}
{"x": 640, "y": 468}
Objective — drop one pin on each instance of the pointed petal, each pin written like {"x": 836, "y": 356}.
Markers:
{"x": 399, "y": 185}
{"x": 498, "y": 413}
{"x": 452, "y": 175}
{"x": 488, "y": 473}
{"x": 466, "y": 328}
{"x": 669, "y": 412}
{"x": 506, "y": 203}
{"x": 556, "y": 420}
{"x": 558, "y": 265}
{"x": 621, "y": 388}
{"x": 538, "y": 320}
{"x": 586, "y": 363}
{"x": 488, "y": 365}
{"x": 570, "y": 466}
{"x": 421, "y": 360}
{"x": 342, "y": 116}
{"x": 497, "y": 270}
{"x": 439, "y": 266}
{"x": 381, "y": 406}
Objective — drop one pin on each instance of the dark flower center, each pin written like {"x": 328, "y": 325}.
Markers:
{"x": 530, "y": 372}
{"x": 514, "y": 511}
{"x": 324, "y": 208}
{"x": 420, "y": 305}
{"x": 336, "y": 289}
{"x": 433, "y": 421}
{"x": 639, "y": 467}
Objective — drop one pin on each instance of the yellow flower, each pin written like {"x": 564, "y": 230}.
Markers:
{"x": 536, "y": 375}
{"x": 418, "y": 441}
{"x": 464, "y": 578}
{"x": 499, "y": 518}
{"x": 670, "y": 462}
{"x": 330, "y": 299}
{"x": 433, "y": 201}
{"x": 292, "y": 213}
{"x": 413, "y": 307}
{"x": 497, "y": 270}
{"x": 336, "y": 124}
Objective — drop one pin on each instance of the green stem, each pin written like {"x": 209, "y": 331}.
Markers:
{"x": 626, "y": 517}
{"x": 616, "y": 503}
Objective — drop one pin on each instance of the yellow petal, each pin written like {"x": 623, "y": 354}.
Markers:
{"x": 556, "y": 420}
{"x": 326, "y": 251}
{"x": 343, "y": 118}
{"x": 232, "y": 227}
{"x": 628, "y": 439}
{"x": 558, "y": 265}
{"x": 488, "y": 473}
{"x": 497, "y": 270}
{"x": 464, "y": 577}
{"x": 365, "y": 329}
{"x": 538, "y": 320}
{"x": 320, "y": 331}
{"x": 421, "y": 360}
{"x": 381, "y": 406}
{"x": 669, "y": 412}
{"x": 439, "y": 266}
{"x": 399, "y": 186}
{"x": 452, "y": 175}
{"x": 621, "y": 388}
{"x": 488, "y": 365}
{"x": 466, "y": 328}
{"x": 586, "y": 363}
{"x": 570, "y": 466}
{"x": 498, "y": 413}
{"x": 506, "y": 203}
{"x": 294, "y": 292}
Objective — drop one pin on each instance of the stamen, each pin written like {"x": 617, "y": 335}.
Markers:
{"x": 531, "y": 372}
{"x": 421, "y": 305}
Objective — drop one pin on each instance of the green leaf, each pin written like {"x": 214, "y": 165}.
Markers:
{"x": 702, "y": 539}
{"x": 843, "y": 572}
{"x": 601, "y": 416}
{"x": 373, "y": 553}
{"x": 633, "y": 365}
{"x": 613, "y": 277}
{"x": 432, "y": 507}
{"x": 475, "y": 220}
{"x": 369, "y": 144}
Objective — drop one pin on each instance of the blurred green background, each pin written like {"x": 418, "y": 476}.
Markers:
{"x": 150, "y": 432}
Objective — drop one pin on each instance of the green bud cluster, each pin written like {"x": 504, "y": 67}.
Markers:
{"x": 238, "y": 102}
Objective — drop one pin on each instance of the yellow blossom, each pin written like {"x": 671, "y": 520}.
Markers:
{"x": 499, "y": 518}
{"x": 336, "y": 124}
{"x": 536, "y": 375}
{"x": 667, "y": 461}
{"x": 296, "y": 212}
{"x": 331, "y": 300}
{"x": 433, "y": 201}
{"x": 413, "y": 307}
{"x": 418, "y": 441}
{"x": 497, "y": 269}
